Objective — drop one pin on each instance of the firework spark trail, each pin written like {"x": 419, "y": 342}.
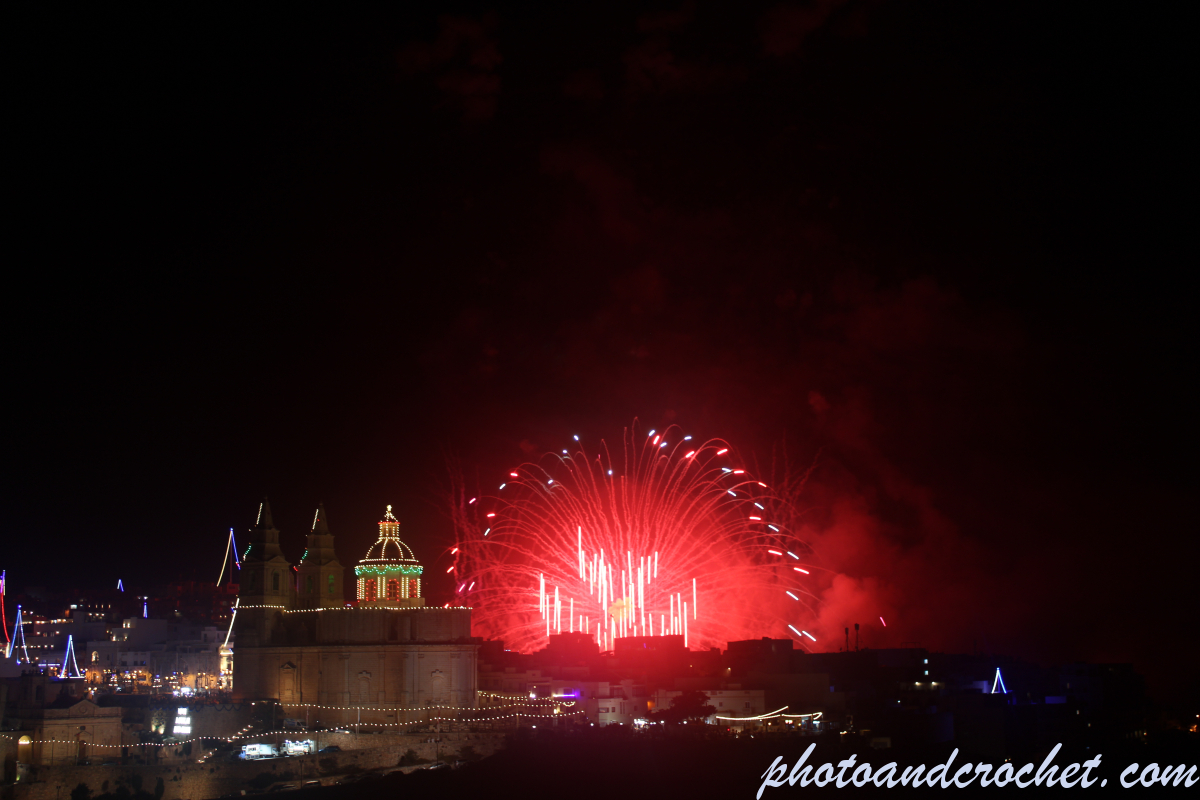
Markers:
{"x": 672, "y": 537}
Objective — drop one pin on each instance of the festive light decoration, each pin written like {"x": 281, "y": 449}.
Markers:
{"x": 403, "y": 569}
{"x": 231, "y": 550}
{"x": 527, "y": 702}
{"x": 390, "y": 571}
{"x": 18, "y": 635}
{"x": 286, "y": 610}
{"x": 340, "y": 728}
{"x": 776, "y": 714}
{"x": 998, "y": 681}
{"x": 232, "y": 619}
{"x": 769, "y": 715}
{"x": 71, "y": 670}
{"x": 585, "y": 532}
{"x": 510, "y": 696}
{"x": 3, "y": 617}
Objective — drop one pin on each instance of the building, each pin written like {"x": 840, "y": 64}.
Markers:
{"x": 53, "y": 722}
{"x": 383, "y": 657}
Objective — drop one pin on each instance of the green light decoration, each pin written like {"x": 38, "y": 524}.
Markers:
{"x": 390, "y": 569}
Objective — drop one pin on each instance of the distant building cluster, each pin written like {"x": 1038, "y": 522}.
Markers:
{"x": 992, "y": 705}
{"x": 111, "y": 639}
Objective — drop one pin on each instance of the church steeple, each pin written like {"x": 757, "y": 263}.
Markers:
{"x": 319, "y": 575}
{"x": 264, "y": 536}
{"x": 264, "y": 515}
{"x": 320, "y": 526}
{"x": 266, "y": 586}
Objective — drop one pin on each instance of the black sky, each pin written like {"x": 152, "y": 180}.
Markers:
{"x": 938, "y": 247}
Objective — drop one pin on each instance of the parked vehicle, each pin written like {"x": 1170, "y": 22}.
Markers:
{"x": 255, "y": 751}
{"x": 300, "y": 748}
{"x": 333, "y": 748}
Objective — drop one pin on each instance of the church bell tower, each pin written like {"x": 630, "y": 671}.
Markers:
{"x": 266, "y": 588}
{"x": 319, "y": 575}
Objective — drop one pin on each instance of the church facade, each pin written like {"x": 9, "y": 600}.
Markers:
{"x": 383, "y": 657}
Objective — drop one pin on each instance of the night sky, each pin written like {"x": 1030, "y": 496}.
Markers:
{"x": 935, "y": 252}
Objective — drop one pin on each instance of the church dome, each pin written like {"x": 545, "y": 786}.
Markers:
{"x": 389, "y": 576}
{"x": 388, "y": 548}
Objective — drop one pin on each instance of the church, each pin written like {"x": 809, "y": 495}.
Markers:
{"x": 381, "y": 657}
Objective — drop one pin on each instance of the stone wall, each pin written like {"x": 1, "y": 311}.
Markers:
{"x": 218, "y": 776}
{"x": 341, "y": 678}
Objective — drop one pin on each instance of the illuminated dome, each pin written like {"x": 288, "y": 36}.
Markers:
{"x": 390, "y": 575}
{"x": 389, "y": 547}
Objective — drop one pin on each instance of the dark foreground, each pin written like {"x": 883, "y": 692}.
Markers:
{"x": 617, "y": 763}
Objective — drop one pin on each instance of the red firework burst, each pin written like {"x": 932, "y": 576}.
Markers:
{"x": 673, "y": 537}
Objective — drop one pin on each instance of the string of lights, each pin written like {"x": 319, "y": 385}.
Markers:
{"x": 769, "y": 715}
{"x": 370, "y": 569}
{"x": 341, "y": 728}
{"x": 511, "y": 696}
{"x": 419, "y": 708}
{"x": 355, "y": 608}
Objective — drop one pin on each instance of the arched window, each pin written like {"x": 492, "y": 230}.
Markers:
{"x": 371, "y": 590}
{"x": 275, "y": 581}
{"x": 95, "y": 657}
{"x": 393, "y": 589}
{"x": 308, "y": 584}
{"x": 413, "y": 587}
{"x": 331, "y": 584}
{"x": 253, "y": 580}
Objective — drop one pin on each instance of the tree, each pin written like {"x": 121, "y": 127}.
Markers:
{"x": 688, "y": 705}
{"x": 81, "y": 792}
{"x": 411, "y": 759}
